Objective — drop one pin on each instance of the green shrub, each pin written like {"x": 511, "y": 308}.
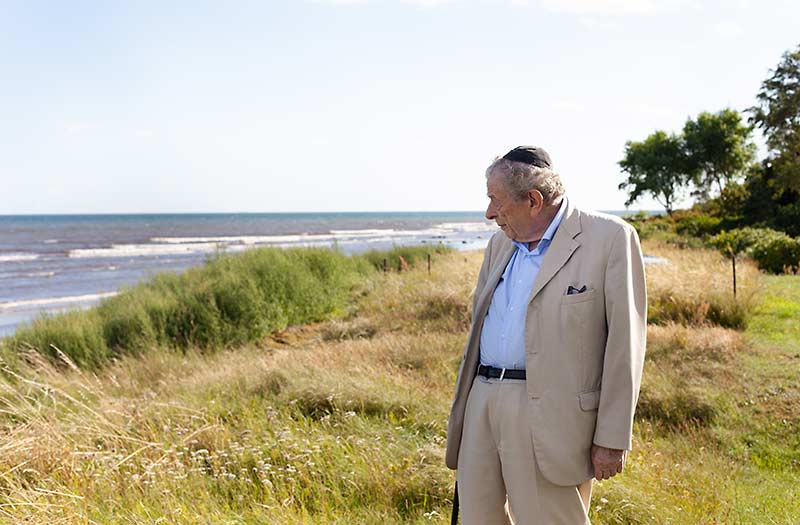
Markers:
{"x": 738, "y": 241}
{"x": 77, "y": 333}
{"x": 777, "y": 253}
{"x": 698, "y": 225}
{"x": 787, "y": 218}
{"x": 648, "y": 226}
{"x": 229, "y": 300}
{"x": 730, "y": 202}
{"x": 773, "y": 251}
{"x": 126, "y": 324}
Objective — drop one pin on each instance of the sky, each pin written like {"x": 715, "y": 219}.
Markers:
{"x": 354, "y": 105}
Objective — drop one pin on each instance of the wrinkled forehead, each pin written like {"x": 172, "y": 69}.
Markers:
{"x": 497, "y": 175}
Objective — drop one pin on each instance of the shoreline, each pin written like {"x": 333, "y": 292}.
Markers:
{"x": 16, "y": 314}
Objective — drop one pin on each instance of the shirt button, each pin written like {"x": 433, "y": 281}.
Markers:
{"x": 512, "y": 308}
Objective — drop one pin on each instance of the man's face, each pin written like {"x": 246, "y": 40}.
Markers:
{"x": 515, "y": 218}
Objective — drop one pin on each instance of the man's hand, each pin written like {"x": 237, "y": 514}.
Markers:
{"x": 607, "y": 461}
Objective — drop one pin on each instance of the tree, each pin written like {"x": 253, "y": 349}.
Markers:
{"x": 734, "y": 243}
{"x": 657, "y": 166}
{"x": 718, "y": 149}
{"x": 777, "y": 114}
{"x": 767, "y": 205}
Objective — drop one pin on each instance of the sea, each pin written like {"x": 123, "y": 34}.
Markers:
{"x": 53, "y": 263}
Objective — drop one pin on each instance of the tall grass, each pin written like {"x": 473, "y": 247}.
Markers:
{"x": 411, "y": 254}
{"x": 343, "y": 420}
{"x": 229, "y": 301}
{"x": 694, "y": 288}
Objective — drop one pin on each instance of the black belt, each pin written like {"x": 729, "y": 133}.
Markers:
{"x": 500, "y": 373}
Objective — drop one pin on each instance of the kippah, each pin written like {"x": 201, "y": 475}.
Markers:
{"x": 529, "y": 155}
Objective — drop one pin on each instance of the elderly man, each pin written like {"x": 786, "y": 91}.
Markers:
{"x": 548, "y": 385}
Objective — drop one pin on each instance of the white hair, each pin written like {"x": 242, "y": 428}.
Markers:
{"x": 519, "y": 178}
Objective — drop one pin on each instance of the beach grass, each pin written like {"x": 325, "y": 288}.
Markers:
{"x": 226, "y": 302}
{"x": 342, "y": 419}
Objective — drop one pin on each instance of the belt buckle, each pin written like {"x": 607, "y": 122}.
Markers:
{"x": 502, "y": 373}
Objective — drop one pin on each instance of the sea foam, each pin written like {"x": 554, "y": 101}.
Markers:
{"x": 52, "y": 301}
{"x": 14, "y": 257}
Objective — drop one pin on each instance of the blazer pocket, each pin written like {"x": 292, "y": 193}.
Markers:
{"x": 589, "y": 400}
{"x": 588, "y": 295}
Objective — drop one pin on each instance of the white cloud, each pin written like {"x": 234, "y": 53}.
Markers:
{"x": 568, "y": 105}
{"x": 727, "y": 28}
{"x": 341, "y": 2}
{"x": 143, "y": 133}
{"x": 427, "y": 3}
{"x": 607, "y": 7}
{"x": 579, "y": 7}
{"x": 75, "y": 127}
{"x": 593, "y": 22}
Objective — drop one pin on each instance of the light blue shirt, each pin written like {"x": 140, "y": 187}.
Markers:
{"x": 503, "y": 333}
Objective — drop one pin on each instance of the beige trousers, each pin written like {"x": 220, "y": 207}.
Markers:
{"x": 498, "y": 479}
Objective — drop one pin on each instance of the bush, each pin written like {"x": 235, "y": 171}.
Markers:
{"x": 648, "y": 225}
{"x": 77, "y": 333}
{"x": 730, "y": 202}
{"x": 787, "y": 218}
{"x": 229, "y": 300}
{"x": 126, "y": 324}
{"x": 699, "y": 225}
{"x": 739, "y": 241}
{"x": 772, "y": 250}
{"x": 777, "y": 253}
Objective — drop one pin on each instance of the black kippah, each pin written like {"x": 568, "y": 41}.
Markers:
{"x": 529, "y": 155}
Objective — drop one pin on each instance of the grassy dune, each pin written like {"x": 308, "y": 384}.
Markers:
{"x": 342, "y": 420}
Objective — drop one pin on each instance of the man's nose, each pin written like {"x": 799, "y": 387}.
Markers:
{"x": 490, "y": 213}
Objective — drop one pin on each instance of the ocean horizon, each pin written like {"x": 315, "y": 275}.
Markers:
{"x": 51, "y": 263}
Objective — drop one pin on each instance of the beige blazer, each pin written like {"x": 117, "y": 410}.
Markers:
{"x": 583, "y": 352}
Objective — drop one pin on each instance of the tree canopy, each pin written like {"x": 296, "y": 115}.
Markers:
{"x": 657, "y": 166}
{"x": 713, "y": 150}
{"x": 777, "y": 114}
{"x": 718, "y": 149}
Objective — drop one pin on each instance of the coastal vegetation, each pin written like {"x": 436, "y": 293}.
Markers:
{"x": 743, "y": 206}
{"x": 341, "y": 418}
{"x": 226, "y": 302}
{"x": 305, "y": 386}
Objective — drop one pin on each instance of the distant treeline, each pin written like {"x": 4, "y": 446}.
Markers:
{"x": 743, "y": 207}
{"x": 713, "y": 159}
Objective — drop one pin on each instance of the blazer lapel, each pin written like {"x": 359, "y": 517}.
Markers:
{"x": 504, "y": 255}
{"x": 560, "y": 250}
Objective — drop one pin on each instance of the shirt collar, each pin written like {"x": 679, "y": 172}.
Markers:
{"x": 548, "y": 233}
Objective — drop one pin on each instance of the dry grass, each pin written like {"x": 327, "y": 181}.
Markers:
{"x": 695, "y": 287}
{"x": 356, "y": 405}
{"x": 343, "y": 422}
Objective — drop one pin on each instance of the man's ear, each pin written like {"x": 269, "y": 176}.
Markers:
{"x": 535, "y": 199}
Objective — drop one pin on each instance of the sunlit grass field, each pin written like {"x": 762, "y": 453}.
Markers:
{"x": 342, "y": 419}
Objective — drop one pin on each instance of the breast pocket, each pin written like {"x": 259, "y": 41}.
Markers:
{"x": 588, "y": 295}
